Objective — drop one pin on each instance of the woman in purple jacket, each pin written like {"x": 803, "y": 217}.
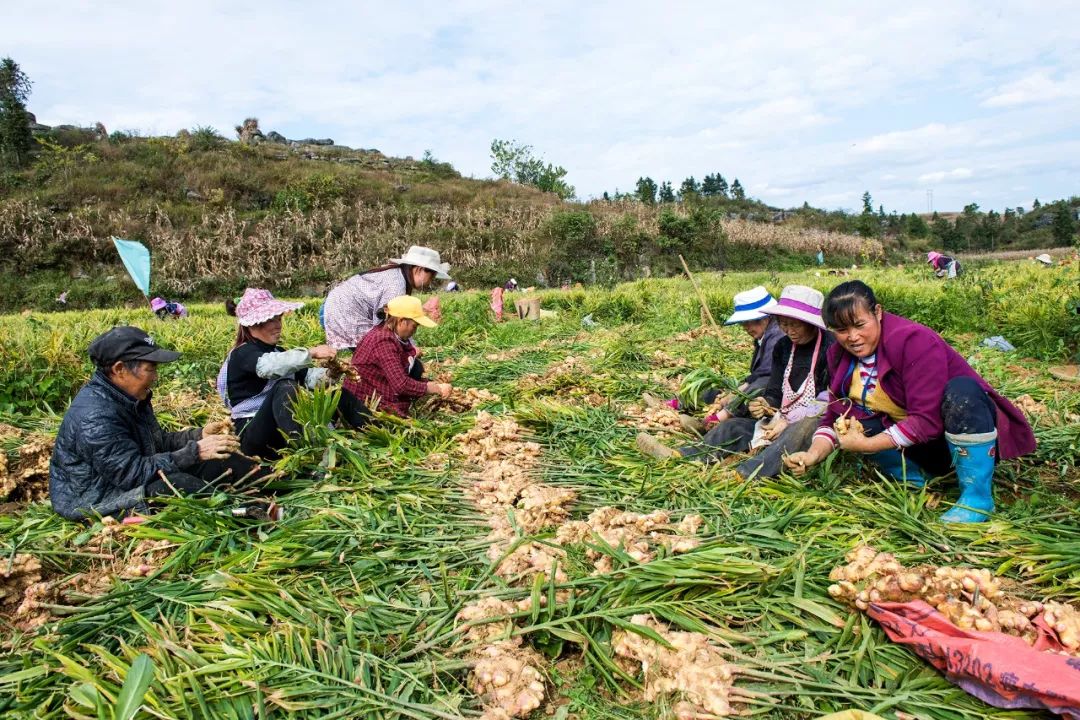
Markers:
{"x": 922, "y": 408}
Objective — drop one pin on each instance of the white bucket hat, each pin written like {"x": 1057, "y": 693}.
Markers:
{"x": 425, "y": 257}
{"x": 800, "y": 302}
{"x": 1045, "y": 259}
{"x": 749, "y": 305}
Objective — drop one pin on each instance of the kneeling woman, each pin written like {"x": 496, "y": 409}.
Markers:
{"x": 921, "y": 408}
{"x": 385, "y": 365}
{"x": 259, "y": 378}
{"x": 786, "y": 414}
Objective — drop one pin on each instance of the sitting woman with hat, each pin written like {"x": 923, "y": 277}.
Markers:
{"x": 383, "y": 365}
{"x": 912, "y": 404}
{"x": 785, "y": 416}
{"x": 351, "y": 308}
{"x": 259, "y": 378}
{"x": 749, "y": 313}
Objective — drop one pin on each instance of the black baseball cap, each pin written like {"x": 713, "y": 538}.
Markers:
{"x": 128, "y": 343}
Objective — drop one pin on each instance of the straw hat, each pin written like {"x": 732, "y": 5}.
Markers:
{"x": 258, "y": 305}
{"x": 425, "y": 257}
{"x": 749, "y": 305}
{"x": 932, "y": 256}
{"x": 407, "y": 306}
{"x": 1045, "y": 259}
{"x": 799, "y": 302}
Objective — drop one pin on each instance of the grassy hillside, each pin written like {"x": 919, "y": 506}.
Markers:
{"x": 218, "y": 215}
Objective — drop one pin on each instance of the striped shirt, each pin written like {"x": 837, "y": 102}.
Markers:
{"x": 868, "y": 380}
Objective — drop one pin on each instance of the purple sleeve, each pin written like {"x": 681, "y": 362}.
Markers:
{"x": 764, "y": 368}
{"x": 923, "y": 375}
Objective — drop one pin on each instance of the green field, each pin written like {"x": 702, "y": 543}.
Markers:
{"x": 347, "y": 607}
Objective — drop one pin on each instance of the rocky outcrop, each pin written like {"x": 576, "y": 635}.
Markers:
{"x": 249, "y": 133}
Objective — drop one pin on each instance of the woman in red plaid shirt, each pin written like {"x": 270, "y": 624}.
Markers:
{"x": 383, "y": 361}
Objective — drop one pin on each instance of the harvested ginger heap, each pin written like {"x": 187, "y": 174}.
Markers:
{"x": 971, "y": 598}
{"x": 636, "y": 534}
{"x": 504, "y": 673}
{"x": 692, "y": 667}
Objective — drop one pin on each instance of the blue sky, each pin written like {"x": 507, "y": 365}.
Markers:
{"x": 977, "y": 101}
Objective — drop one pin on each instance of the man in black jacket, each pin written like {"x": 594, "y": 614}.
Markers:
{"x": 111, "y": 454}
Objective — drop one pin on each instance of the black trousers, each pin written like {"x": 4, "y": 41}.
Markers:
{"x": 966, "y": 409}
{"x": 265, "y": 433}
{"x": 733, "y": 436}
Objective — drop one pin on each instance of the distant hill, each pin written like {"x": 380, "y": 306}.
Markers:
{"x": 297, "y": 215}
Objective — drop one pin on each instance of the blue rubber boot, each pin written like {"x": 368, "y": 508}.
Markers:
{"x": 895, "y": 465}
{"x": 973, "y": 458}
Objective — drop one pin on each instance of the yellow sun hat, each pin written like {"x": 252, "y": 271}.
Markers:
{"x": 406, "y": 306}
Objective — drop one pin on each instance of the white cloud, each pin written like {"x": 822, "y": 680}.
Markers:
{"x": 1037, "y": 87}
{"x": 945, "y": 175}
{"x": 804, "y": 101}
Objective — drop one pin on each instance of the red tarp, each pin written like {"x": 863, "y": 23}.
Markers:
{"x": 999, "y": 669}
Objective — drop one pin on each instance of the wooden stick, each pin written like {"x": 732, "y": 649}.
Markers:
{"x": 701, "y": 296}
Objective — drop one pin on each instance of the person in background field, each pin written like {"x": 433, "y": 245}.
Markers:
{"x": 943, "y": 265}
{"x": 259, "y": 378}
{"x": 921, "y": 409}
{"x": 111, "y": 455}
{"x": 383, "y": 363}
{"x": 762, "y": 328}
{"x": 167, "y": 310}
{"x": 511, "y": 285}
{"x": 350, "y": 309}
{"x": 784, "y": 417}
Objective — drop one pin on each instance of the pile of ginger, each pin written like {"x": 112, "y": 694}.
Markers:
{"x": 971, "y": 598}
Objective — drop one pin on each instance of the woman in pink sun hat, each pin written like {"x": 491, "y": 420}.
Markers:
{"x": 259, "y": 378}
{"x": 785, "y": 415}
{"x": 943, "y": 265}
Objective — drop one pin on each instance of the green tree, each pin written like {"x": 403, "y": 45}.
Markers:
{"x": 708, "y": 186}
{"x": 646, "y": 190}
{"x": 868, "y": 224}
{"x": 1036, "y": 205}
{"x": 667, "y": 193}
{"x": 721, "y": 186}
{"x": 988, "y": 232}
{"x": 1063, "y": 229}
{"x": 945, "y": 233}
{"x": 737, "y": 192}
{"x": 917, "y": 227}
{"x": 689, "y": 189}
{"x": 16, "y": 140}
{"x": 511, "y": 160}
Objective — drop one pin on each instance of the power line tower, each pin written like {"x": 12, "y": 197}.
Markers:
{"x": 929, "y": 201}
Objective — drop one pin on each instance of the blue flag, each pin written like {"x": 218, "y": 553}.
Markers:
{"x": 137, "y": 261}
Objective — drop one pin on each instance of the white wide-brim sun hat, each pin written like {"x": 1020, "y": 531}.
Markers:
{"x": 749, "y": 305}
{"x": 425, "y": 257}
{"x": 800, "y": 302}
